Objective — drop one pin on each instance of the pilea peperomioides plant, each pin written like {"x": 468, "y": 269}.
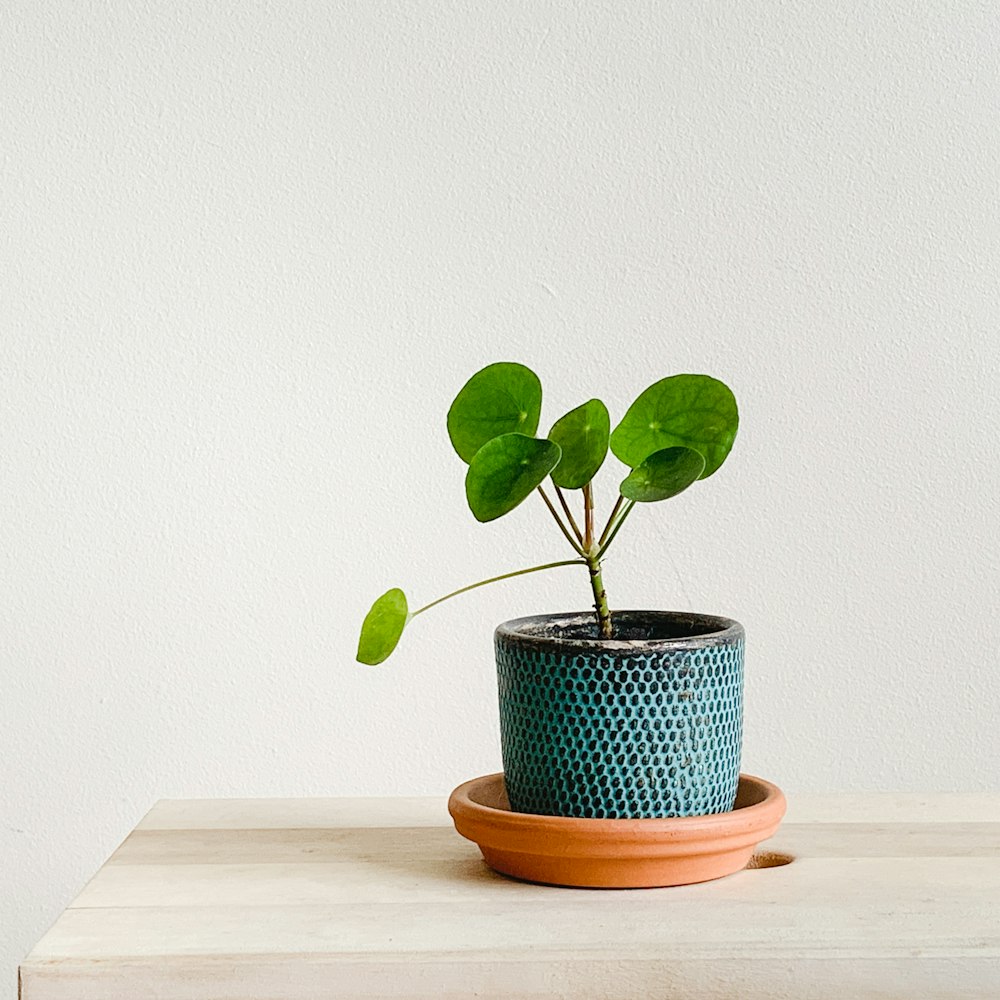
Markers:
{"x": 678, "y": 431}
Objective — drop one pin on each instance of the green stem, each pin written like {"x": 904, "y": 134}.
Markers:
{"x": 621, "y": 520}
{"x": 600, "y": 598}
{"x": 611, "y": 519}
{"x": 496, "y": 579}
{"x": 569, "y": 515}
{"x": 558, "y": 519}
{"x": 592, "y": 552}
{"x": 588, "y": 518}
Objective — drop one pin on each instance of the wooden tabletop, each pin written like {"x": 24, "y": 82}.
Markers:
{"x": 887, "y": 896}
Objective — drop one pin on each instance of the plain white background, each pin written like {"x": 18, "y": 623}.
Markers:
{"x": 250, "y": 251}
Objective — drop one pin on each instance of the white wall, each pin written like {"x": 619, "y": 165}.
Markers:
{"x": 248, "y": 254}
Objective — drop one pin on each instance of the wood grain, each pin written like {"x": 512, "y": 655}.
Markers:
{"x": 312, "y": 899}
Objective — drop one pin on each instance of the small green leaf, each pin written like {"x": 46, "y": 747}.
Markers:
{"x": 505, "y": 471}
{"x": 688, "y": 411}
{"x": 583, "y": 436}
{"x": 501, "y": 399}
{"x": 382, "y": 627}
{"x": 663, "y": 475}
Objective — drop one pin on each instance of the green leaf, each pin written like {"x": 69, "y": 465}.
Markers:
{"x": 583, "y": 436}
{"x": 663, "y": 475}
{"x": 505, "y": 471}
{"x": 688, "y": 411}
{"x": 500, "y": 399}
{"x": 382, "y": 627}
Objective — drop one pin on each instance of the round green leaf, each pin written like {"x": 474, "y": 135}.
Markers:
{"x": 500, "y": 399}
{"x": 583, "y": 436}
{"x": 663, "y": 475}
{"x": 688, "y": 411}
{"x": 505, "y": 471}
{"x": 382, "y": 627}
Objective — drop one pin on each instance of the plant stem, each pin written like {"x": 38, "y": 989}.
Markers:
{"x": 562, "y": 527}
{"x": 503, "y": 576}
{"x": 569, "y": 515}
{"x": 611, "y": 518}
{"x": 588, "y": 517}
{"x": 621, "y": 520}
{"x": 592, "y": 553}
{"x": 600, "y": 597}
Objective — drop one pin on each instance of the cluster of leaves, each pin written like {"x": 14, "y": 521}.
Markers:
{"x": 677, "y": 431}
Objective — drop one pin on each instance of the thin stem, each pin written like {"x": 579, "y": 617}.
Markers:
{"x": 495, "y": 579}
{"x": 604, "y": 625}
{"x": 611, "y": 537}
{"x": 569, "y": 515}
{"x": 588, "y": 518}
{"x": 559, "y": 521}
{"x": 592, "y": 551}
{"x": 611, "y": 518}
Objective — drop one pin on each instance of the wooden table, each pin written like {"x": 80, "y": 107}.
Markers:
{"x": 895, "y": 896}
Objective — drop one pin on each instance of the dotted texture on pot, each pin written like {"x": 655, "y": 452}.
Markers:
{"x": 621, "y": 733}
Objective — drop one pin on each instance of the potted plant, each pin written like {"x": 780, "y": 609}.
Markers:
{"x": 607, "y": 715}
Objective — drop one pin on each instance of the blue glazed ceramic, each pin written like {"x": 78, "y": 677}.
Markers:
{"x": 648, "y": 724}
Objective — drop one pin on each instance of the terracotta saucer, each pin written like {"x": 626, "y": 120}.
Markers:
{"x": 615, "y": 853}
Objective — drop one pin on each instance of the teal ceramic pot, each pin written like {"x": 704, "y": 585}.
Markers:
{"x": 648, "y": 724}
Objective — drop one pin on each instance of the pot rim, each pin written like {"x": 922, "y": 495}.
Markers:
{"x": 527, "y": 631}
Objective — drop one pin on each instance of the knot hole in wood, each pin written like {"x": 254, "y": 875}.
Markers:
{"x": 769, "y": 859}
